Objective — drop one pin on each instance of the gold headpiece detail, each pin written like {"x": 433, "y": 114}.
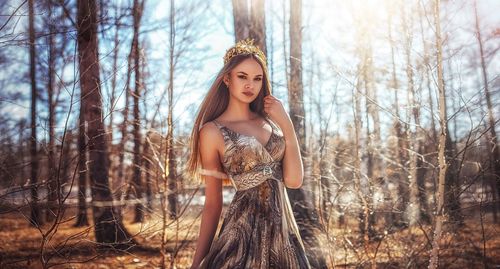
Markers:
{"x": 244, "y": 46}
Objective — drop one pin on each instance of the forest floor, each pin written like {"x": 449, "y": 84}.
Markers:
{"x": 476, "y": 244}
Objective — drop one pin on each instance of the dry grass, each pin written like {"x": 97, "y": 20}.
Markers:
{"x": 72, "y": 247}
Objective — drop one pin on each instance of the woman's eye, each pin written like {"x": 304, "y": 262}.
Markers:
{"x": 258, "y": 79}
{"x": 242, "y": 77}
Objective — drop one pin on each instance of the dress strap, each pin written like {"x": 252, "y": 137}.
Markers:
{"x": 217, "y": 123}
{"x": 274, "y": 126}
{"x": 221, "y": 128}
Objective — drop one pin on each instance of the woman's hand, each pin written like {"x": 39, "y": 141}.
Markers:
{"x": 274, "y": 108}
{"x": 293, "y": 169}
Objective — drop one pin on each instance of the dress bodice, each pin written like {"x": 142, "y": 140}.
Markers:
{"x": 247, "y": 162}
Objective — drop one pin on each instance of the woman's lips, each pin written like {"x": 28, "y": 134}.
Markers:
{"x": 248, "y": 93}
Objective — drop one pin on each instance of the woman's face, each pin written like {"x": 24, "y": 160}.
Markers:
{"x": 245, "y": 80}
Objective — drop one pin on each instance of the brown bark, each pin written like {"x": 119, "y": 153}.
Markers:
{"x": 413, "y": 209}
{"x": 325, "y": 188}
{"x": 170, "y": 162}
{"x": 21, "y": 147}
{"x": 364, "y": 212}
{"x": 52, "y": 184}
{"x": 241, "y": 19}
{"x": 427, "y": 75}
{"x": 494, "y": 156}
{"x": 81, "y": 217}
{"x": 139, "y": 207}
{"x": 375, "y": 165}
{"x": 304, "y": 210}
{"x": 250, "y": 23}
{"x": 296, "y": 92}
{"x": 122, "y": 176}
{"x": 443, "y": 164}
{"x": 35, "y": 219}
{"x": 147, "y": 173}
{"x": 367, "y": 215}
{"x": 257, "y": 27}
{"x": 109, "y": 229}
{"x": 112, "y": 98}
{"x": 397, "y": 202}
{"x": 66, "y": 156}
{"x": 285, "y": 54}
{"x": 425, "y": 213}
{"x": 453, "y": 190}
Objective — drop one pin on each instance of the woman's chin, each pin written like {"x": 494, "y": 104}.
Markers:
{"x": 247, "y": 100}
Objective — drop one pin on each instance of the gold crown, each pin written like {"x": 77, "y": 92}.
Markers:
{"x": 244, "y": 46}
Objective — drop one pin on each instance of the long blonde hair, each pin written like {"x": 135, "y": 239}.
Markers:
{"x": 215, "y": 103}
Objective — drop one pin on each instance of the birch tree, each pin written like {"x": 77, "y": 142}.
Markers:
{"x": 443, "y": 166}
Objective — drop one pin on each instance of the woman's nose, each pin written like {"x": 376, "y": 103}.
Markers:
{"x": 251, "y": 84}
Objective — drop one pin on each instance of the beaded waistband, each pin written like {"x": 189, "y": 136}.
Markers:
{"x": 257, "y": 175}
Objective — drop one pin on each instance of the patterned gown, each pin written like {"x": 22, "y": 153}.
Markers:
{"x": 258, "y": 229}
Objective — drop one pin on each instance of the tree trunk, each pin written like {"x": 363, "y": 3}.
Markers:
{"x": 21, "y": 147}
{"x": 425, "y": 213}
{"x": 171, "y": 163}
{"x": 494, "y": 152}
{"x": 112, "y": 97}
{"x": 426, "y": 62}
{"x": 147, "y": 173}
{"x": 285, "y": 54}
{"x": 81, "y": 217}
{"x": 364, "y": 212}
{"x": 452, "y": 195}
{"x": 304, "y": 211}
{"x": 257, "y": 27}
{"x": 440, "y": 213}
{"x": 241, "y": 20}
{"x": 35, "y": 219}
{"x": 397, "y": 197}
{"x": 413, "y": 207}
{"x": 139, "y": 207}
{"x": 122, "y": 176}
{"x": 375, "y": 168}
{"x": 52, "y": 179}
{"x": 422, "y": 192}
{"x": 109, "y": 229}
{"x": 324, "y": 179}
{"x": 250, "y": 23}
{"x": 367, "y": 216}
{"x": 66, "y": 157}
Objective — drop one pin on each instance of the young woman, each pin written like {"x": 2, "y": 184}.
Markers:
{"x": 243, "y": 136}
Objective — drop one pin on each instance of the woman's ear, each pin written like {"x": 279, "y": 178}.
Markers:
{"x": 226, "y": 79}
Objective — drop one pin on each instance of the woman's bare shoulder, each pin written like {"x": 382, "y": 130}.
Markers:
{"x": 211, "y": 141}
{"x": 210, "y": 132}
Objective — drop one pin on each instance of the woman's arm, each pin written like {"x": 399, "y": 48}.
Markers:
{"x": 210, "y": 138}
{"x": 293, "y": 170}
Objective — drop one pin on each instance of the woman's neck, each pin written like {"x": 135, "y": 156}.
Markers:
{"x": 238, "y": 111}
